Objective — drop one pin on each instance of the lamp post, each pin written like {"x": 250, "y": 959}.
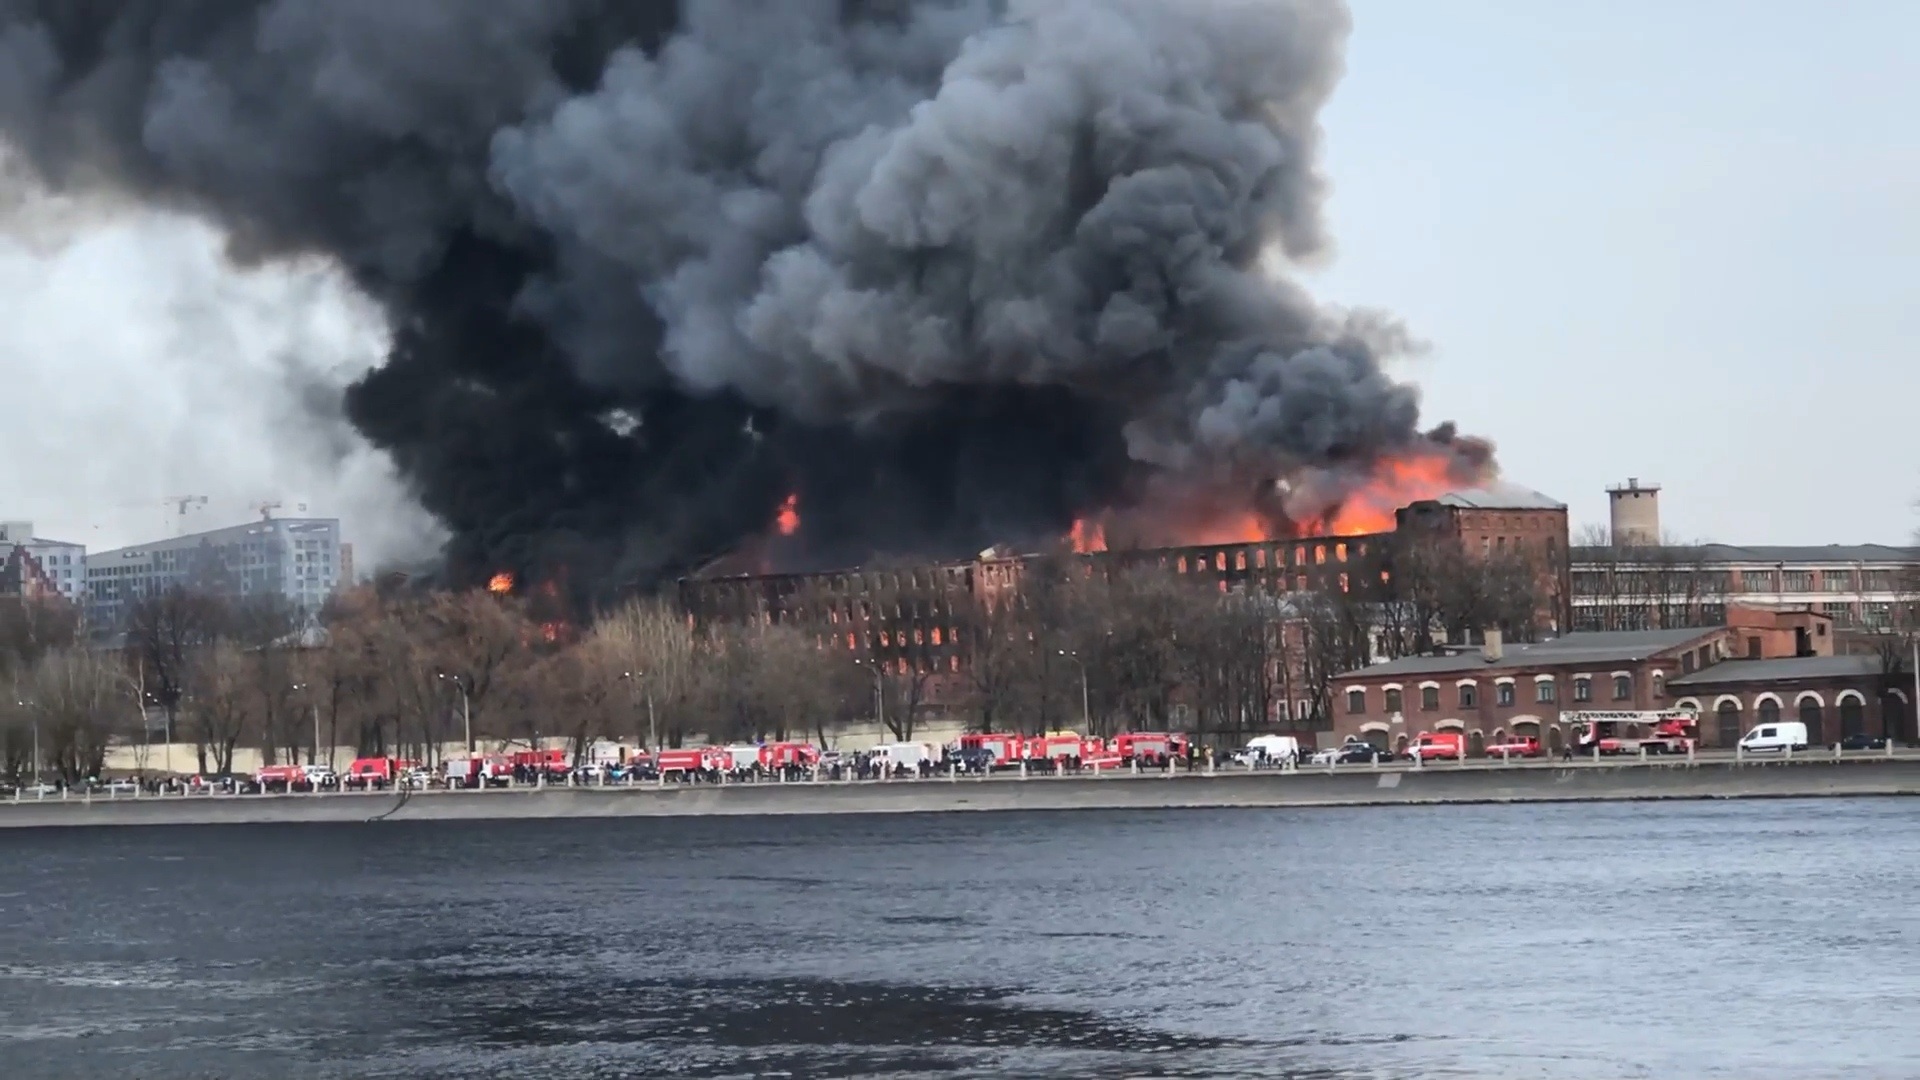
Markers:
{"x": 36, "y": 741}
{"x": 313, "y": 755}
{"x": 879, "y": 694}
{"x": 653, "y": 729}
{"x": 1086, "y": 713}
{"x": 466, "y": 709}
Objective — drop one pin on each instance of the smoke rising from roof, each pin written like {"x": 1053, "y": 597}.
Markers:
{"x": 953, "y": 270}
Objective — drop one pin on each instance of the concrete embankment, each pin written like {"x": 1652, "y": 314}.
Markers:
{"x": 1532, "y": 782}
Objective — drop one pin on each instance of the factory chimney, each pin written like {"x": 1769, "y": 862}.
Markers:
{"x": 1634, "y": 509}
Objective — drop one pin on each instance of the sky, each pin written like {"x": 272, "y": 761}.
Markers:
{"x": 1675, "y": 242}
{"x": 1672, "y": 241}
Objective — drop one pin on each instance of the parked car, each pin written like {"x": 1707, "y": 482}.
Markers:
{"x": 1359, "y": 752}
{"x": 1863, "y": 742}
{"x": 123, "y": 786}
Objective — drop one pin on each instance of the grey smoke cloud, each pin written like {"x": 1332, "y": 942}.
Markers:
{"x": 831, "y": 227}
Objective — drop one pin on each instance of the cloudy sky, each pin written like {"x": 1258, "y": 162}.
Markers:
{"x": 1674, "y": 242}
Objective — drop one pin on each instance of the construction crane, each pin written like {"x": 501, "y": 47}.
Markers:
{"x": 179, "y": 504}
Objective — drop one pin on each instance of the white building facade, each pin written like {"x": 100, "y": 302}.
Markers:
{"x": 299, "y": 559}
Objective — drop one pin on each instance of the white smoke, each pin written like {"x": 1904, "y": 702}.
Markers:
{"x": 141, "y": 364}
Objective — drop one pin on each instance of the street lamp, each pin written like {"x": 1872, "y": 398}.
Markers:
{"x": 466, "y": 709}
{"x": 313, "y": 758}
{"x": 653, "y": 729}
{"x": 879, "y": 695}
{"x": 1086, "y": 713}
{"x": 23, "y": 705}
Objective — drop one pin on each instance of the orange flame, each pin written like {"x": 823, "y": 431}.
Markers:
{"x": 500, "y": 584}
{"x": 1087, "y": 536}
{"x": 1396, "y": 483}
{"x": 787, "y": 521}
{"x": 1369, "y": 508}
{"x": 551, "y": 631}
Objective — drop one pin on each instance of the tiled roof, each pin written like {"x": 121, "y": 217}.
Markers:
{"x": 1785, "y": 669}
{"x": 1602, "y": 647}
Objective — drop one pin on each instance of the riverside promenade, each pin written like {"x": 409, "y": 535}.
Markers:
{"x": 1807, "y": 776}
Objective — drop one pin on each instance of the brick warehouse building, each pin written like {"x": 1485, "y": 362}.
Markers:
{"x": 910, "y": 619}
{"x": 1495, "y": 692}
{"x": 1835, "y": 696}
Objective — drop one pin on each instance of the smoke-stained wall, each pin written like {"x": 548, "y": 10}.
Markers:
{"x": 954, "y": 271}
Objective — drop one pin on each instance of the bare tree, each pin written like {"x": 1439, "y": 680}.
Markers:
{"x": 1336, "y": 633}
{"x": 1644, "y": 586}
{"x": 660, "y": 657}
{"x": 79, "y": 704}
{"x": 218, "y": 711}
{"x": 476, "y": 638}
{"x": 167, "y": 631}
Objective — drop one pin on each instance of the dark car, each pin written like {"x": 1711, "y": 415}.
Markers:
{"x": 1863, "y": 742}
{"x": 1361, "y": 754}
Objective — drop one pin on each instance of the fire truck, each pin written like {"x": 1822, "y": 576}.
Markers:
{"x": 711, "y": 760}
{"x": 1629, "y": 731}
{"x": 553, "y": 762}
{"x": 1055, "y": 746}
{"x": 479, "y": 770}
{"x": 783, "y": 755}
{"x": 1004, "y": 749}
{"x": 1149, "y": 748}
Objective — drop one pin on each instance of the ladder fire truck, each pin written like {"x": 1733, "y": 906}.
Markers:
{"x": 1628, "y": 731}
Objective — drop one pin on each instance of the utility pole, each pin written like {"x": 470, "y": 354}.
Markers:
{"x": 653, "y": 728}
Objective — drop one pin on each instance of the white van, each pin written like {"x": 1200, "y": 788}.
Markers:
{"x": 1270, "y": 750}
{"x": 1768, "y": 738}
{"x": 905, "y": 754}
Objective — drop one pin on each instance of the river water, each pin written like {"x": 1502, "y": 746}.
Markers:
{"x": 1748, "y": 940}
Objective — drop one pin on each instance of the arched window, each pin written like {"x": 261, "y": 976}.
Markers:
{"x": 1810, "y": 715}
{"x": 1727, "y": 717}
{"x": 1356, "y": 701}
{"x": 1769, "y": 711}
{"x": 1622, "y": 688}
{"x": 1583, "y": 689}
{"x": 1659, "y": 685}
{"x": 1393, "y": 701}
{"x": 1853, "y": 720}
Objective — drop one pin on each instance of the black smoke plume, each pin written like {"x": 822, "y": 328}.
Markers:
{"x": 954, "y": 271}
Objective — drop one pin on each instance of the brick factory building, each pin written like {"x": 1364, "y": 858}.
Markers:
{"x": 910, "y": 619}
{"x": 1495, "y": 692}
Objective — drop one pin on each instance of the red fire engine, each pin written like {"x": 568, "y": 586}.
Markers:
{"x": 1150, "y": 748}
{"x": 1005, "y": 749}
{"x": 1668, "y": 731}
{"x": 697, "y": 759}
{"x": 552, "y": 762}
{"x": 781, "y": 755}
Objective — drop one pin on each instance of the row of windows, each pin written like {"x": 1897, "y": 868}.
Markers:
{"x": 1221, "y": 561}
{"x": 1545, "y": 692}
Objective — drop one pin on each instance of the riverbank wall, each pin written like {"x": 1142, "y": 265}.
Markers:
{"x": 1521, "y": 783}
